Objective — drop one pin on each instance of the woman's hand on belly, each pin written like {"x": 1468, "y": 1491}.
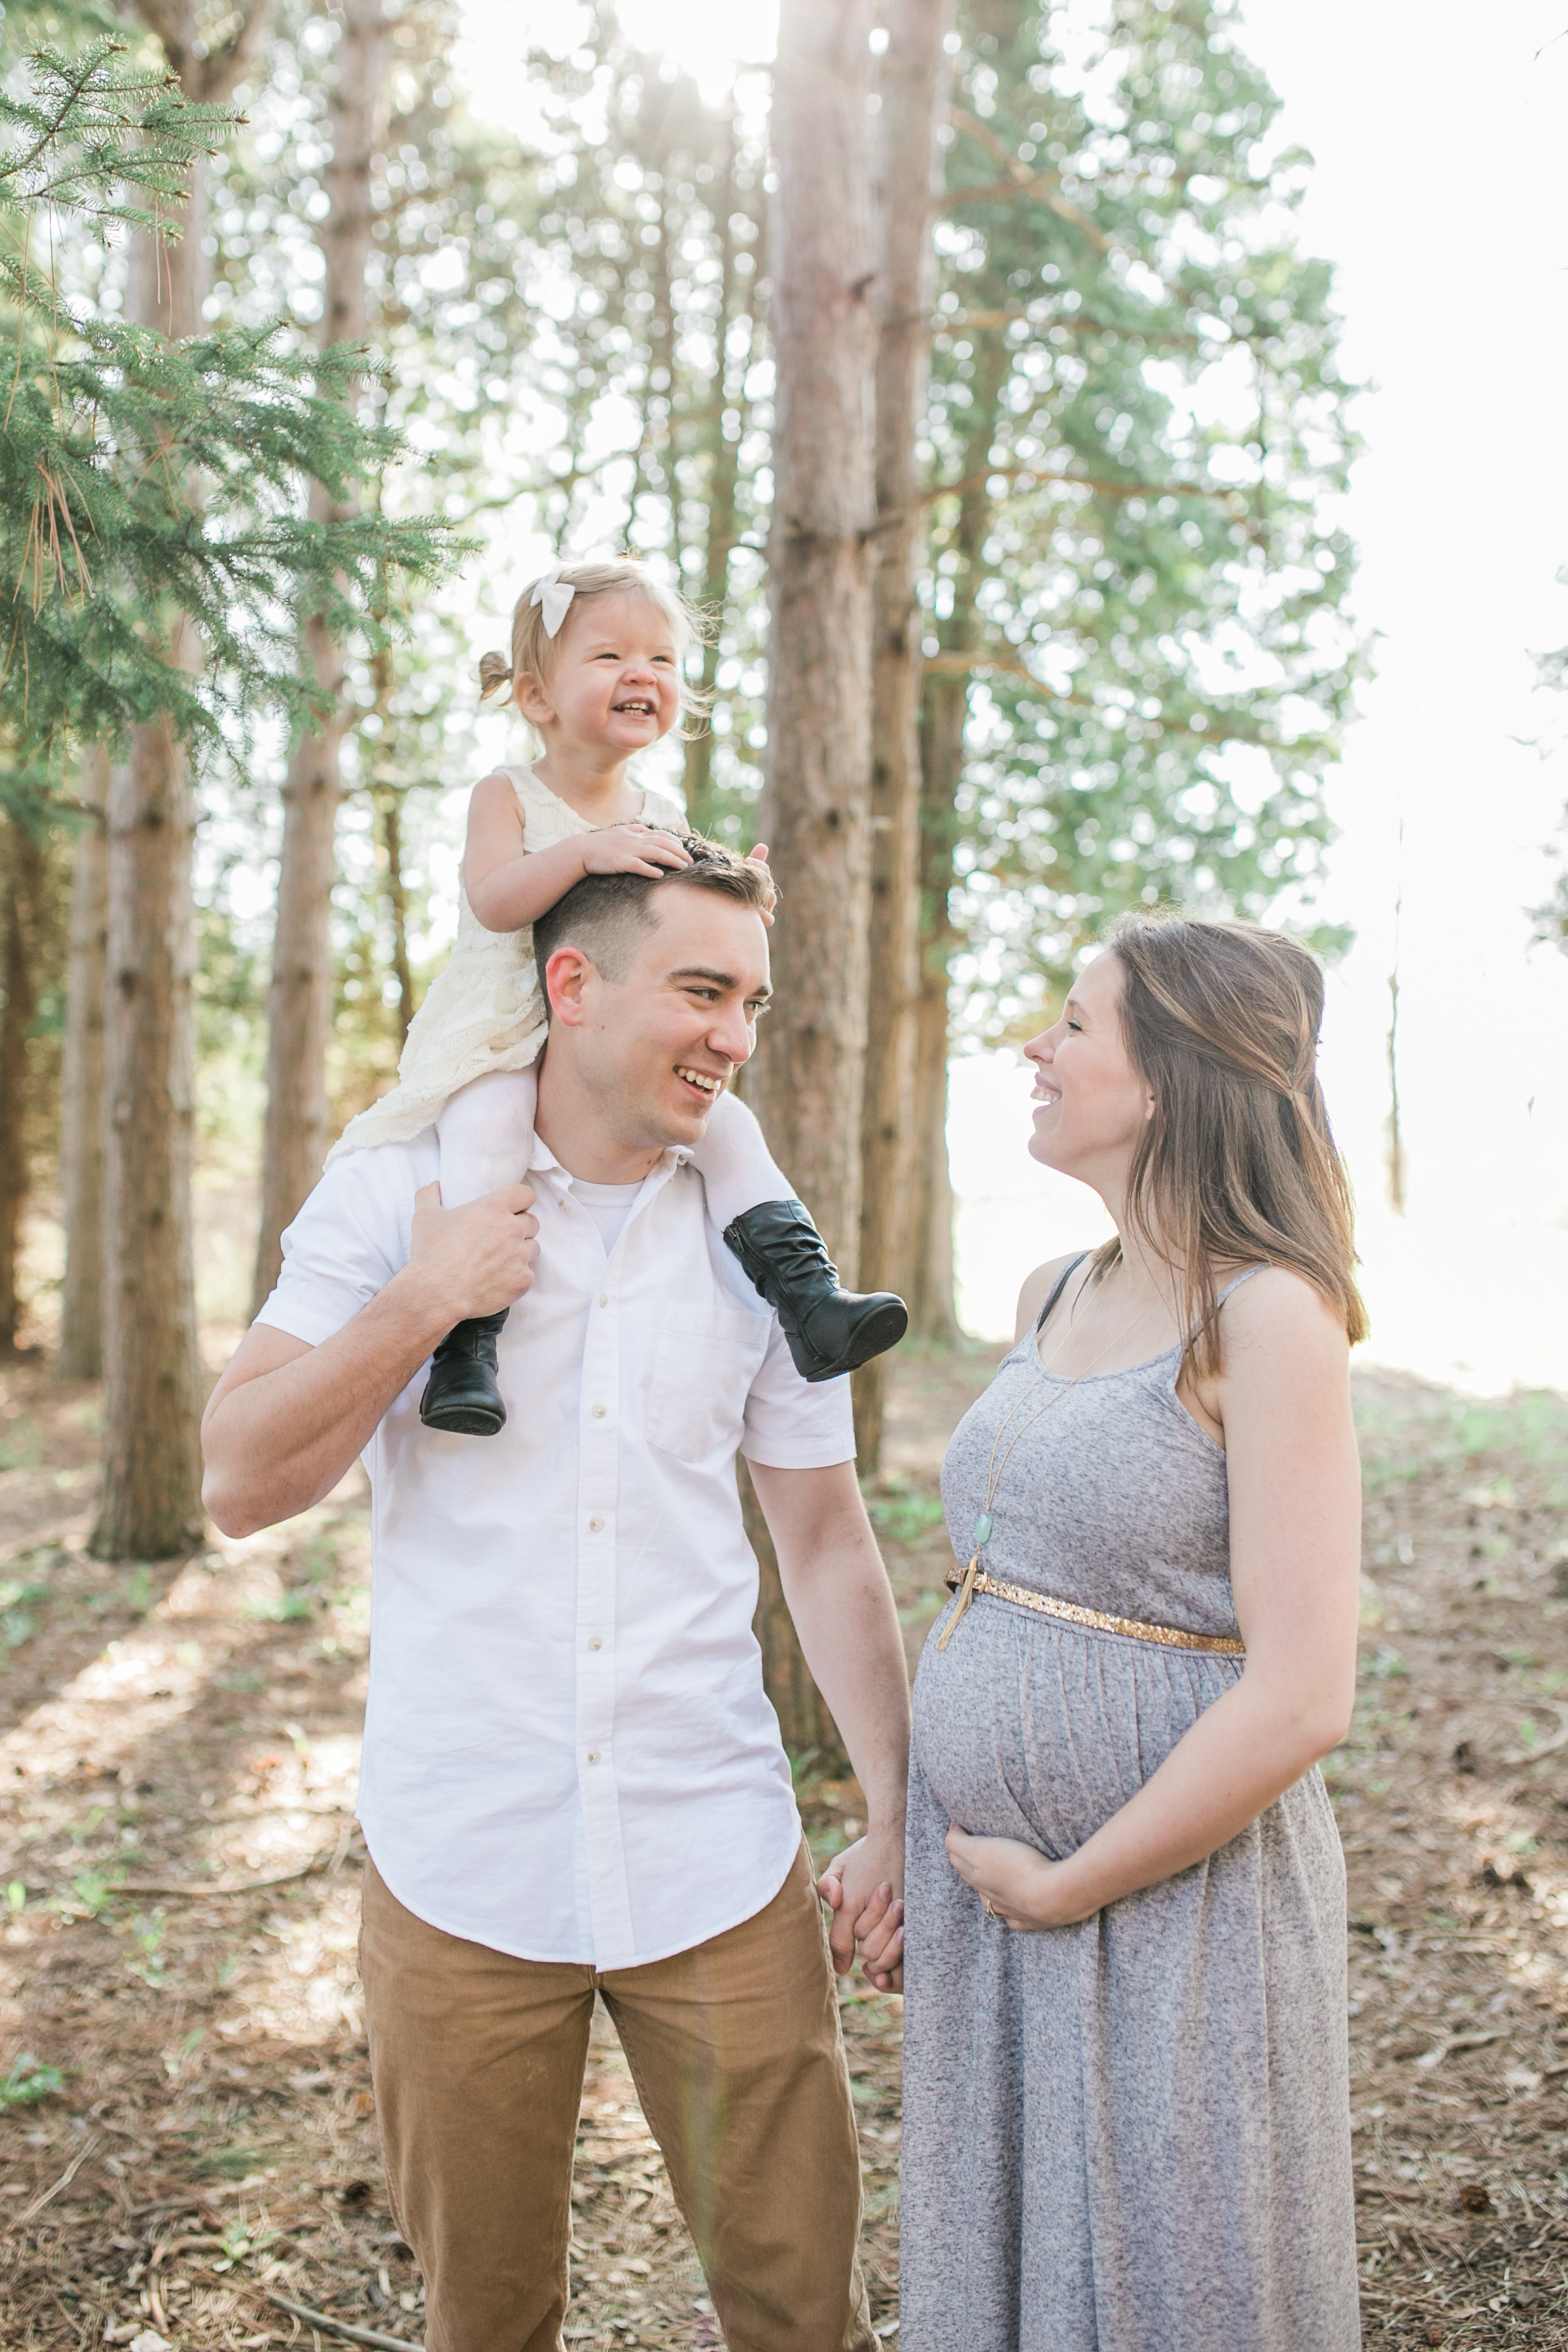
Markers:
{"x": 1015, "y": 1882}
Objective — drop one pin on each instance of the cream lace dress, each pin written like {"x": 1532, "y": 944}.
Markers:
{"x": 485, "y": 1011}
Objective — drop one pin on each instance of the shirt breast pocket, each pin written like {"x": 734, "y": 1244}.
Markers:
{"x": 705, "y": 1360}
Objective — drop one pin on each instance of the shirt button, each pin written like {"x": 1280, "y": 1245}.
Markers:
{"x": 596, "y": 1525}
{"x": 594, "y": 1642}
{"x": 598, "y": 1412}
{"x": 593, "y": 1755}
{"x": 605, "y": 1298}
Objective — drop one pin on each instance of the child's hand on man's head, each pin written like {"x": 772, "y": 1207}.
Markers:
{"x": 632, "y": 849}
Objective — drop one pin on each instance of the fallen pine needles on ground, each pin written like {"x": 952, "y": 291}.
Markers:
{"x": 189, "y": 2145}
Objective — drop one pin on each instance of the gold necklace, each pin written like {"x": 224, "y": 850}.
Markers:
{"x": 985, "y": 1521}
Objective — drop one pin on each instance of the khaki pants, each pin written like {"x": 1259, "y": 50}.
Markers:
{"x": 477, "y": 2061}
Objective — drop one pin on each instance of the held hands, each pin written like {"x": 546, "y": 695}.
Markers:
{"x": 1018, "y": 1885}
{"x": 632, "y": 849}
{"x": 476, "y": 1259}
{"x": 858, "y": 1888}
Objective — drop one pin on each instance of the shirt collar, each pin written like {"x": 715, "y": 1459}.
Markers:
{"x": 543, "y": 1162}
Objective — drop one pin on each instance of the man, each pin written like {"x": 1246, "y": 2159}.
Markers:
{"x": 572, "y": 1781}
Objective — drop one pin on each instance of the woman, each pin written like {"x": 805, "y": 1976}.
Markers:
{"x": 1127, "y": 2123}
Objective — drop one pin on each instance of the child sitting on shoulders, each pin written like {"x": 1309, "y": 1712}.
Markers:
{"x": 598, "y": 671}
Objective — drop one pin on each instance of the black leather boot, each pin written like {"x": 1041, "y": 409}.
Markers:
{"x": 829, "y": 1330}
{"x": 461, "y": 1394}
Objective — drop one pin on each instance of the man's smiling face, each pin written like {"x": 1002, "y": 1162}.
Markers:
{"x": 659, "y": 1045}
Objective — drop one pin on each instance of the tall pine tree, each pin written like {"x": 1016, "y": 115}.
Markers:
{"x": 137, "y": 613}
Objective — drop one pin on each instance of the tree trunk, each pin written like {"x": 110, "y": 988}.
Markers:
{"x": 299, "y": 996}
{"x": 914, "y": 79}
{"x": 816, "y": 803}
{"x": 148, "y": 1504}
{"x": 929, "y": 1275}
{"x": 21, "y": 910}
{"x": 724, "y": 473}
{"x": 81, "y": 1356}
{"x": 944, "y": 711}
{"x": 397, "y": 903}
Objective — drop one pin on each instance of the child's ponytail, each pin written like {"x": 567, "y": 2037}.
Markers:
{"x": 495, "y": 676}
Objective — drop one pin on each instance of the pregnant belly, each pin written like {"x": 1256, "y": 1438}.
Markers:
{"x": 1030, "y": 1729}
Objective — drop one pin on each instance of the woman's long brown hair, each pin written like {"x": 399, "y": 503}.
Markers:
{"x": 1238, "y": 1166}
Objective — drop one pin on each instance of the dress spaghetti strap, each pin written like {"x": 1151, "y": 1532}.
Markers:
{"x": 1063, "y": 1279}
{"x": 1236, "y": 1280}
{"x": 1071, "y": 1268}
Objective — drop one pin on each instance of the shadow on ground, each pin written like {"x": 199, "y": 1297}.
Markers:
{"x": 188, "y": 2125}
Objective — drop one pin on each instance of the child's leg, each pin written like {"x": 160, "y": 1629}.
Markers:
{"x": 737, "y": 1169}
{"x": 487, "y": 1139}
{"x": 487, "y": 1136}
{"x": 753, "y": 1204}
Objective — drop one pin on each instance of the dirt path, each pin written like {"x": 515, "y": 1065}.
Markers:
{"x": 185, "y": 2121}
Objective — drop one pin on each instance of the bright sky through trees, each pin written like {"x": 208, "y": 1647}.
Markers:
{"x": 1440, "y": 194}
{"x": 708, "y": 38}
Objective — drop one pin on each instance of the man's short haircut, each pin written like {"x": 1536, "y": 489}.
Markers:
{"x": 603, "y": 913}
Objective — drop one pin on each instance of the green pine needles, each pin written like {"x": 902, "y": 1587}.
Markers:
{"x": 91, "y": 129}
{"x": 155, "y": 549}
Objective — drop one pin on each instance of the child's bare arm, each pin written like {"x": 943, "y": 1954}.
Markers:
{"x": 507, "y": 889}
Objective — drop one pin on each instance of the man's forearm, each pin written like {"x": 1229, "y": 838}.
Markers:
{"x": 842, "y": 1603}
{"x": 277, "y": 1440}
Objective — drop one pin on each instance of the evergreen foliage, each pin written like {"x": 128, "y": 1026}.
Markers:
{"x": 1136, "y": 429}
{"x": 101, "y": 542}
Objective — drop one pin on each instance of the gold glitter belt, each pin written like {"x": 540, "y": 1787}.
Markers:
{"x": 1044, "y": 1605}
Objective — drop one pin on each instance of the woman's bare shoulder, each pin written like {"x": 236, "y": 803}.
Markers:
{"x": 1277, "y": 1307}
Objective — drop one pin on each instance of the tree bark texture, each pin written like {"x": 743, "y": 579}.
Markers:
{"x": 944, "y": 711}
{"x": 391, "y": 813}
{"x": 929, "y": 1276}
{"x": 149, "y": 1505}
{"x": 913, "y": 83}
{"x": 80, "y": 1354}
{"x": 724, "y": 473}
{"x": 299, "y": 996}
{"x": 21, "y": 910}
{"x": 148, "y": 1499}
{"x": 816, "y": 803}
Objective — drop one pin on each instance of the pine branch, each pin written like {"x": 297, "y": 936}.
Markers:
{"x": 92, "y": 128}
{"x": 98, "y": 539}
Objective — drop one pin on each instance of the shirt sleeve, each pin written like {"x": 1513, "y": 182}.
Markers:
{"x": 796, "y": 1424}
{"x": 348, "y": 1241}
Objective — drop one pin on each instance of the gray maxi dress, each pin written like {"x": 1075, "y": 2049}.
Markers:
{"x": 1132, "y": 2134}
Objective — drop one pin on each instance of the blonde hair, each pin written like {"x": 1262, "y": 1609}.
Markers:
{"x": 533, "y": 649}
{"x": 1238, "y": 1166}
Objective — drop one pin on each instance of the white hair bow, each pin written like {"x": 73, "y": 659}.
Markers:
{"x": 555, "y": 594}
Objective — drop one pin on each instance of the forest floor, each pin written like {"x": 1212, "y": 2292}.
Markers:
{"x": 188, "y": 2129}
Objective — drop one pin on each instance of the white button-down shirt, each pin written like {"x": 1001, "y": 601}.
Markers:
{"x": 568, "y": 1753}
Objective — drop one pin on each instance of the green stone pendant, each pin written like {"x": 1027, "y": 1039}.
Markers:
{"x": 982, "y": 1526}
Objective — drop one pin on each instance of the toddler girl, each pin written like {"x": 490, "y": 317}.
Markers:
{"x": 597, "y": 669}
